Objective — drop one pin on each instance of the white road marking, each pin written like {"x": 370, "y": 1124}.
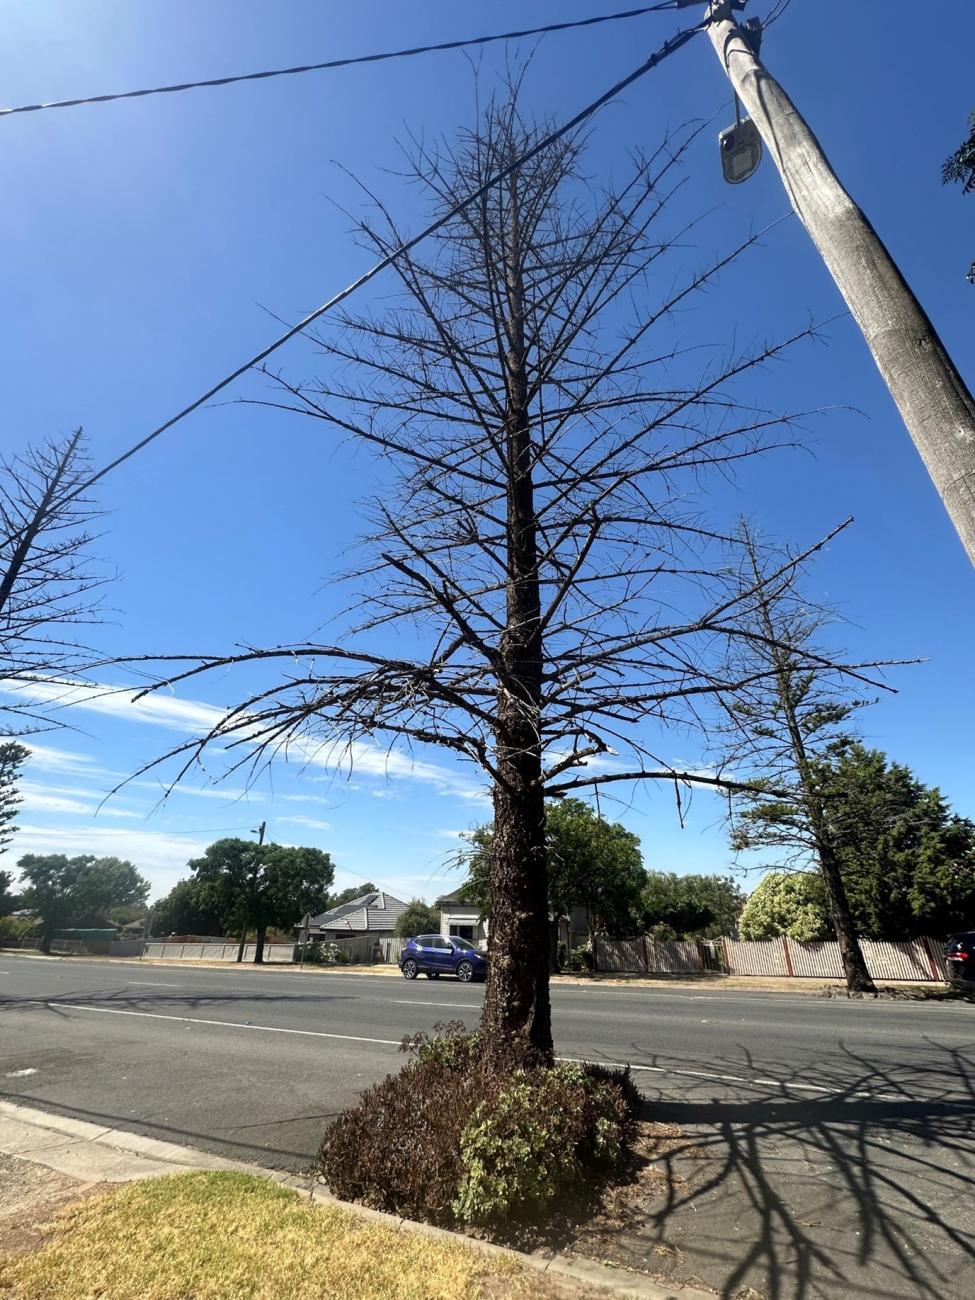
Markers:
{"x": 416, "y": 1002}
{"x": 786, "y": 1085}
{"x": 223, "y": 1024}
{"x": 18, "y": 1074}
{"x": 156, "y": 984}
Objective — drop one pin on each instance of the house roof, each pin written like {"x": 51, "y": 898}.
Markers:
{"x": 461, "y": 896}
{"x": 374, "y": 911}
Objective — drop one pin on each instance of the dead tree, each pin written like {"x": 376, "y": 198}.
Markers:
{"x": 787, "y": 713}
{"x": 538, "y": 587}
{"x": 48, "y": 580}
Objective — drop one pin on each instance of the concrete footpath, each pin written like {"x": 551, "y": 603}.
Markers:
{"x": 93, "y": 1155}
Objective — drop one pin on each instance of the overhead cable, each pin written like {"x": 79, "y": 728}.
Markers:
{"x": 668, "y": 48}
{"x": 331, "y": 64}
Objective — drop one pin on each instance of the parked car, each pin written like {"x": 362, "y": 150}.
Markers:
{"x": 433, "y": 955}
{"x": 960, "y": 956}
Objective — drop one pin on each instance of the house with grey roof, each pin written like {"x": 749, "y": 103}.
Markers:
{"x": 460, "y": 917}
{"x": 372, "y": 915}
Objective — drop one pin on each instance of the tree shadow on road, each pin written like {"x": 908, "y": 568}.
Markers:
{"x": 864, "y": 1190}
{"x": 157, "y": 999}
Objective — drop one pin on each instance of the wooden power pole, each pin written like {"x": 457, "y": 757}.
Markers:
{"x": 931, "y": 395}
{"x": 243, "y": 934}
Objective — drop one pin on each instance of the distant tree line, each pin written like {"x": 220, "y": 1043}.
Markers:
{"x": 238, "y": 886}
{"x": 83, "y": 892}
{"x": 907, "y": 861}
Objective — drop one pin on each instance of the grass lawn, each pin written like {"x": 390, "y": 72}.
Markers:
{"x": 230, "y": 1236}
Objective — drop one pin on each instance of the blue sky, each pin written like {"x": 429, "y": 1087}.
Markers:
{"x": 149, "y": 246}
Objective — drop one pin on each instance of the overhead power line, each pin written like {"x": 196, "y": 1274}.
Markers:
{"x": 331, "y": 64}
{"x": 668, "y": 48}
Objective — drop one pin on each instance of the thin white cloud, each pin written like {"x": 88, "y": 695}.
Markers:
{"x": 111, "y": 700}
{"x": 193, "y": 718}
{"x": 37, "y": 797}
{"x": 64, "y": 762}
{"x": 160, "y": 856}
{"x": 37, "y": 801}
{"x": 311, "y": 822}
{"x": 226, "y": 793}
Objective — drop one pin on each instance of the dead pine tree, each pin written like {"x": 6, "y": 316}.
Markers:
{"x": 48, "y": 579}
{"x": 786, "y": 715}
{"x": 538, "y": 582}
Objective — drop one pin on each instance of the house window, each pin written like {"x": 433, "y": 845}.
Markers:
{"x": 462, "y": 932}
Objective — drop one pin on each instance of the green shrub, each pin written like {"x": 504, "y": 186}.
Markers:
{"x": 453, "y": 1047}
{"x": 541, "y": 1137}
{"x": 579, "y": 960}
{"x": 15, "y": 928}
{"x": 449, "y": 1141}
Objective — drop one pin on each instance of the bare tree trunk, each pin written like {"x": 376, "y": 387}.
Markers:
{"x": 517, "y": 1018}
{"x": 854, "y": 967}
{"x": 554, "y": 932}
{"x": 858, "y": 979}
{"x": 259, "y": 949}
{"x": 934, "y": 402}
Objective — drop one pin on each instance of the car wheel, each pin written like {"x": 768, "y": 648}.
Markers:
{"x": 465, "y": 972}
{"x": 410, "y": 969}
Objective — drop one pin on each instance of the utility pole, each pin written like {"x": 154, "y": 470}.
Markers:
{"x": 930, "y": 394}
{"x": 243, "y": 933}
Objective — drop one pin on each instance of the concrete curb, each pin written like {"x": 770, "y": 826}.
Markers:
{"x": 94, "y": 1154}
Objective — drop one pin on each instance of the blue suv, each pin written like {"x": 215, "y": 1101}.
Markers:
{"x": 433, "y": 956}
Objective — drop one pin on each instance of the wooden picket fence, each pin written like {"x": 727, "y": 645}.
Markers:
{"x": 646, "y": 955}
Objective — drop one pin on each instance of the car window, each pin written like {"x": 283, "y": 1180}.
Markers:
{"x": 424, "y": 941}
{"x": 462, "y": 943}
{"x": 440, "y": 942}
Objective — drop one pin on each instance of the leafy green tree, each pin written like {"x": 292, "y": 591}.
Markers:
{"x": 125, "y": 914}
{"x": 793, "y": 903}
{"x": 65, "y": 891}
{"x": 684, "y": 906}
{"x": 960, "y": 168}
{"x": 188, "y": 908}
{"x": 8, "y": 899}
{"x": 592, "y": 863}
{"x": 908, "y": 861}
{"x": 418, "y": 918}
{"x": 12, "y": 758}
{"x": 256, "y": 886}
{"x": 347, "y": 895}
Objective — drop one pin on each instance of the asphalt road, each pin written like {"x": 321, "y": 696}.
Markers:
{"x": 855, "y": 1118}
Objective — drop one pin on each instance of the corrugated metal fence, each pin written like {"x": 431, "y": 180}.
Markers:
{"x": 919, "y": 960}
{"x": 273, "y": 952}
{"x": 359, "y": 949}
